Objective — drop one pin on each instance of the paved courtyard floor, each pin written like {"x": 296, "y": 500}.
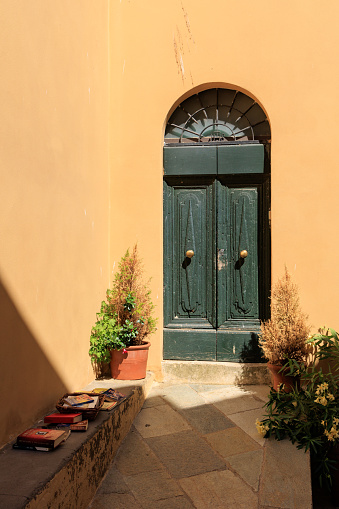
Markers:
{"x": 196, "y": 446}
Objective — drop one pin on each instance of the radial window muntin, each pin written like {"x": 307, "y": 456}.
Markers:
{"x": 217, "y": 115}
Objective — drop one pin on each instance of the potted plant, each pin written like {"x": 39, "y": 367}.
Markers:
{"x": 284, "y": 335}
{"x": 309, "y": 415}
{"x": 125, "y": 322}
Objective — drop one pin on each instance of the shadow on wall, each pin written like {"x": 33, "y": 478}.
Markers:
{"x": 29, "y": 384}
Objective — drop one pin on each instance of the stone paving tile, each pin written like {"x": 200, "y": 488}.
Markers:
{"x": 248, "y": 466}
{"x": 113, "y": 482}
{"x": 182, "y": 396}
{"x": 207, "y": 388}
{"x": 231, "y": 441}
{"x": 152, "y": 401}
{"x": 175, "y": 503}
{"x": 149, "y": 488}
{"x": 246, "y": 421}
{"x": 220, "y": 393}
{"x": 238, "y": 404}
{"x": 219, "y": 490}
{"x": 159, "y": 420}
{"x": 185, "y": 454}
{"x": 158, "y": 389}
{"x": 259, "y": 391}
{"x": 115, "y": 501}
{"x": 206, "y": 419}
{"x": 135, "y": 456}
{"x": 277, "y": 475}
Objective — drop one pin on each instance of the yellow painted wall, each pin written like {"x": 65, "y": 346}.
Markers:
{"x": 86, "y": 88}
{"x": 54, "y": 200}
{"x": 282, "y": 53}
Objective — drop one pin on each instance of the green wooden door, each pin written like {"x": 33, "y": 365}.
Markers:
{"x": 211, "y": 300}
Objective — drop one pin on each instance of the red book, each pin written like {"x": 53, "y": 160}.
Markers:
{"x": 63, "y": 418}
{"x": 42, "y": 437}
{"x": 79, "y": 426}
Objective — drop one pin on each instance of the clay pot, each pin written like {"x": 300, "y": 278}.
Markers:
{"x": 280, "y": 378}
{"x": 130, "y": 363}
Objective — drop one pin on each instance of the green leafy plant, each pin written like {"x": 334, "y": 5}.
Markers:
{"x": 284, "y": 335}
{"x": 126, "y": 317}
{"x": 309, "y": 415}
{"x": 105, "y": 335}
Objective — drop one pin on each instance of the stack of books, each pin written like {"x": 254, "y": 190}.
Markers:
{"x": 58, "y": 426}
{"x": 74, "y": 422}
{"x": 112, "y": 398}
{"x": 41, "y": 439}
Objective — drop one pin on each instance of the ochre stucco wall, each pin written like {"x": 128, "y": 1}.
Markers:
{"x": 86, "y": 89}
{"x": 54, "y": 202}
{"x": 284, "y": 55}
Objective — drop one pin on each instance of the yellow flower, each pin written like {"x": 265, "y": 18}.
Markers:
{"x": 261, "y": 427}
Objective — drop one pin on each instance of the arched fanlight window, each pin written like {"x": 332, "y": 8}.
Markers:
{"x": 217, "y": 115}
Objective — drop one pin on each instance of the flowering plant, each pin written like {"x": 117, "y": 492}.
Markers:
{"x": 309, "y": 414}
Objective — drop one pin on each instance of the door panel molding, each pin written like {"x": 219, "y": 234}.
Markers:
{"x": 188, "y": 219}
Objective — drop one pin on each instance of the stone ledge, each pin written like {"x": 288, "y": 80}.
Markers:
{"x": 69, "y": 476}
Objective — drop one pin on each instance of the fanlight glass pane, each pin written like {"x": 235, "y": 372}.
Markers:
{"x": 217, "y": 115}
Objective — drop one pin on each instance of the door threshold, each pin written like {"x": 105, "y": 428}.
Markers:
{"x": 221, "y": 373}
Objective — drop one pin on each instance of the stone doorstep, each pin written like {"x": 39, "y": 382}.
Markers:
{"x": 69, "y": 476}
{"x": 209, "y": 372}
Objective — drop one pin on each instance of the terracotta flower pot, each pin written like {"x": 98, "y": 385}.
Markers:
{"x": 130, "y": 363}
{"x": 281, "y": 378}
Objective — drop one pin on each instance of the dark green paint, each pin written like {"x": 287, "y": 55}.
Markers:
{"x": 213, "y": 160}
{"x": 235, "y": 159}
{"x": 190, "y": 160}
{"x": 216, "y": 289}
{"x": 212, "y": 301}
{"x": 236, "y": 345}
{"x": 190, "y": 345}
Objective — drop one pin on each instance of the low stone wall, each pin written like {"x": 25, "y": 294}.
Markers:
{"x": 68, "y": 477}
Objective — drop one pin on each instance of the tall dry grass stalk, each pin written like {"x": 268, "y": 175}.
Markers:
{"x": 284, "y": 335}
{"x": 130, "y": 296}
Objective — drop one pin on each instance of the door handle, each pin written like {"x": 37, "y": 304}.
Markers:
{"x": 190, "y": 253}
{"x": 243, "y": 253}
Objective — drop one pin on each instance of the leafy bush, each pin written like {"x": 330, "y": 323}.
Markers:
{"x": 126, "y": 317}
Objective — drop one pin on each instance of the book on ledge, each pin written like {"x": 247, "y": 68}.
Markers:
{"x": 79, "y": 426}
{"x": 78, "y": 400}
{"x": 109, "y": 405}
{"x": 76, "y": 426}
{"x": 62, "y": 418}
{"x": 41, "y": 439}
{"x": 110, "y": 394}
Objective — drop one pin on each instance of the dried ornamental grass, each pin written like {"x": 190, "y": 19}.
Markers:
{"x": 130, "y": 297}
{"x": 284, "y": 335}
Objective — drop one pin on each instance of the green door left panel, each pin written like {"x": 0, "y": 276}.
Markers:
{"x": 189, "y": 296}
